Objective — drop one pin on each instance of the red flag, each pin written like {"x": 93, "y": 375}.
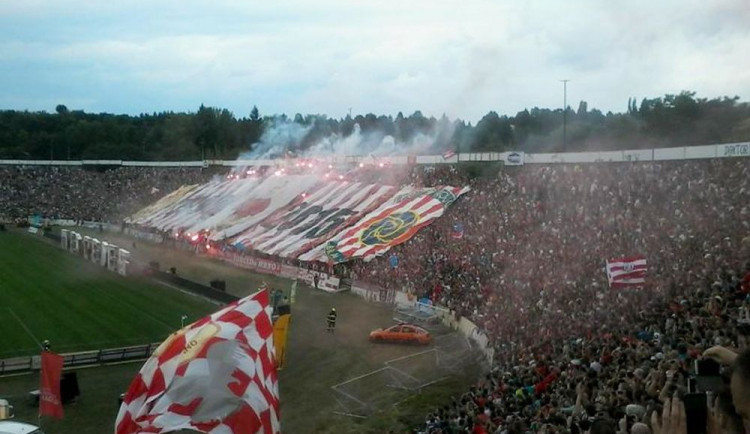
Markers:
{"x": 49, "y": 396}
{"x": 217, "y": 375}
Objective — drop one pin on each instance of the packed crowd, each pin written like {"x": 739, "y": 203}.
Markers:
{"x": 80, "y": 193}
{"x": 535, "y": 241}
{"x": 611, "y": 381}
{"x": 522, "y": 255}
{"x": 528, "y": 269}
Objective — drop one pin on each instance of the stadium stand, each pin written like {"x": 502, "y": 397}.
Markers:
{"x": 529, "y": 269}
{"x": 79, "y": 193}
{"x": 523, "y": 256}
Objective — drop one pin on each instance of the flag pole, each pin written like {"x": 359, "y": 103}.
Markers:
{"x": 39, "y": 412}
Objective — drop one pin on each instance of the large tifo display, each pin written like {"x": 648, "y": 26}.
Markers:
{"x": 101, "y": 253}
{"x": 300, "y": 216}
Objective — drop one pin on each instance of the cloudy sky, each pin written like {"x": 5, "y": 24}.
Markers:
{"x": 462, "y": 58}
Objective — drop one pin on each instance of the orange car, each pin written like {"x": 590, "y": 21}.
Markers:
{"x": 406, "y": 333}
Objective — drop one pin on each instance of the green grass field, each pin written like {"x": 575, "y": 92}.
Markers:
{"x": 46, "y": 293}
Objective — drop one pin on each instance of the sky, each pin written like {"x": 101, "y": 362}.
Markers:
{"x": 460, "y": 58}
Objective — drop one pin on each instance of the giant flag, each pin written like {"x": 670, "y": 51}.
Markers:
{"x": 295, "y": 216}
{"x": 629, "y": 271}
{"x": 216, "y": 375}
{"x": 391, "y": 224}
{"x": 312, "y": 220}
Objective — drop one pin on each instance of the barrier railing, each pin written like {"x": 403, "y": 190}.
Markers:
{"x": 195, "y": 288}
{"x": 18, "y": 365}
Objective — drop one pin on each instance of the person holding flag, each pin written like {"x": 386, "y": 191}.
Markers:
{"x": 50, "y": 401}
{"x": 458, "y": 231}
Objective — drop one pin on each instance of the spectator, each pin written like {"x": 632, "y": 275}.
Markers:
{"x": 528, "y": 270}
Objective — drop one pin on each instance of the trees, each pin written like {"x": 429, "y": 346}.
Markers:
{"x": 493, "y": 133}
{"x": 670, "y": 120}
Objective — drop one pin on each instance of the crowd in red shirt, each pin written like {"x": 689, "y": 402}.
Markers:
{"x": 529, "y": 271}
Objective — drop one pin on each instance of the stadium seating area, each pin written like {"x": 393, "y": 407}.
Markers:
{"x": 523, "y": 257}
{"x": 536, "y": 240}
{"x": 529, "y": 270}
{"x": 86, "y": 194}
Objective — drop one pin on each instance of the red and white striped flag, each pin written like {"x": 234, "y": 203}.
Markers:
{"x": 394, "y": 222}
{"x": 216, "y": 375}
{"x": 629, "y": 271}
{"x": 309, "y": 222}
{"x": 448, "y": 154}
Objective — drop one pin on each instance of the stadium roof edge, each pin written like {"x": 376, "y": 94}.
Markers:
{"x": 508, "y": 158}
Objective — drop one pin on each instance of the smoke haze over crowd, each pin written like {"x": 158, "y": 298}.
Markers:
{"x": 283, "y": 136}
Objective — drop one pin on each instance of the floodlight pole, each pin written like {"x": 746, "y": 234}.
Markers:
{"x": 565, "y": 114}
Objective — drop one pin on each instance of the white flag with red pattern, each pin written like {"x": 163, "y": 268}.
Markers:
{"x": 215, "y": 376}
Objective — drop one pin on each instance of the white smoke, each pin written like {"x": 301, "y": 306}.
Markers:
{"x": 371, "y": 143}
{"x": 285, "y": 135}
{"x": 280, "y": 136}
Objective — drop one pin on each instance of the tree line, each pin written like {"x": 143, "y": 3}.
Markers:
{"x": 215, "y": 133}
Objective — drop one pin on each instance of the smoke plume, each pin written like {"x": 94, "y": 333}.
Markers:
{"x": 284, "y": 136}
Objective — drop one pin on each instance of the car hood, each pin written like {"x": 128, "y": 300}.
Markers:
{"x": 7, "y": 427}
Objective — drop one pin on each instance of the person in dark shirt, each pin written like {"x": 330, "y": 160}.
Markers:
{"x": 331, "y": 320}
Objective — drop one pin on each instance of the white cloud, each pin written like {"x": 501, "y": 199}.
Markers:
{"x": 462, "y": 58}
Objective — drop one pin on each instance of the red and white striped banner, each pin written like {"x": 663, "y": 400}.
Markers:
{"x": 297, "y": 216}
{"x": 314, "y": 218}
{"x": 629, "y": 271}
{"x": 393, "y": 223}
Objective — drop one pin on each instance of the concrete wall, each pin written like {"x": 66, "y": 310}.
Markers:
{"x": 731, "y": 150}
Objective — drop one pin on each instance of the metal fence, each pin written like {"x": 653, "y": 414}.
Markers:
{"x": 18, "y": 365}
{"x": 193, "y": 287}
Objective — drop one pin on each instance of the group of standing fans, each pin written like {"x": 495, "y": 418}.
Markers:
{"x": 528, "y": 269}
{"x": 88, "y": 193}
{"x": 571, "y": 355}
